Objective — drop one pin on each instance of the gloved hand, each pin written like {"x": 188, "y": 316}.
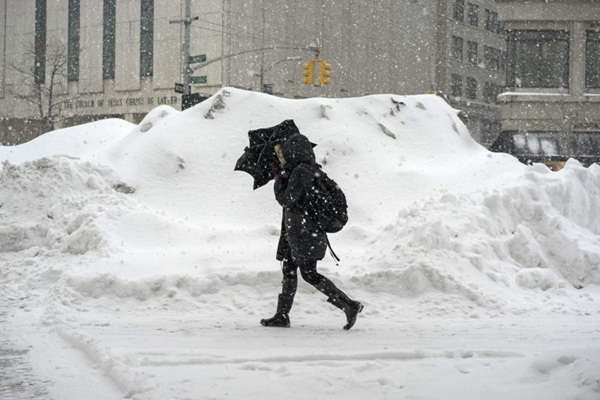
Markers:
{"x": 281, "y": 181}
{"x": 275, "y": 167}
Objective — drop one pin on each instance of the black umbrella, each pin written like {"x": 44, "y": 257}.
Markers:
{"x": 259, "y": 157}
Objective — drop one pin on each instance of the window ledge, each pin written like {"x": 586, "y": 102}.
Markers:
{"x": 538, "y": 97}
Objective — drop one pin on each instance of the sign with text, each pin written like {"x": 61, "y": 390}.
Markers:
{"x": 191, "y": 100}
{"x": 119, "y": 102}
{"x": 199, "y": 80}
{"x": 199, "y": 59}
{"x": 179, "y": 88}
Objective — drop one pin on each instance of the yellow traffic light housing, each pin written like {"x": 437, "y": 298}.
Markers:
{"x": 309, "y": 72}
{"x": 324, "y": 72}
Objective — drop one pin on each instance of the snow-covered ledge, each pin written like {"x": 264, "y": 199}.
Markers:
{"x": 547, "y": 97}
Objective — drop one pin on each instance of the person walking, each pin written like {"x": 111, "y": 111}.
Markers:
{"x": 301, "y": 243}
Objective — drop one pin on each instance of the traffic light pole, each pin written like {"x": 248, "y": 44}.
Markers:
{"x": 264, "y": 70}
{"x": 187, "y": 38}
{"x": 186, "y": 70}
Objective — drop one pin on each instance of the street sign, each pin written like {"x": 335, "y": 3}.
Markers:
{"x": 199, "y": 59}
{"x": 268, "y": 88}
{"x": 179, "y": 88}
{"x": 199, "y": 80}
{"x": 190, "y": 100}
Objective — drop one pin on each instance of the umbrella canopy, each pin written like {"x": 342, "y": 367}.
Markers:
{"x": 259, "y": 157}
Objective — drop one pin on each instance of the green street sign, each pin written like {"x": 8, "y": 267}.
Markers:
{"x": 199, "y": 80}
{"x": 199, "y": 59}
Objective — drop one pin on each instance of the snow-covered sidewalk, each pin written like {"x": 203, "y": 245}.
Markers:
{"x": 212, "y": 347}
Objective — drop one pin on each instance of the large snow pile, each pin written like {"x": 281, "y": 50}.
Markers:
{"x": 141, "y": 248}
{"x": 55, "y": 203}
{"x": 430, "y": 209}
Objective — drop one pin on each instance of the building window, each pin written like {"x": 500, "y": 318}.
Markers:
{"x": 471, "y": 88}
{"x": 147, "y": 39}
{"x": 457, "y": 48}
{"x": 587, "y": 144}
{"x": 73, "y": 41}
{"x": 456, "y": 88}
{"x": 491, "y": 92}
{"x": 488, "y": 92}
{"x": 500, "y": 28}
{"x": 39, "y": 68}
{"x": 109, "y": 39}
{"x": 459, "y": 10}
{"x": 490, "y": 127}
{"x": 503, "y": 60}
{"x": 491, "y": 58}
{"x": 592, "y": 60}
{"x": 491, "y": 21}
{"x": 539, "y": 59}
{"x": 472, "y": 53}
{"x": 473, "y": 15}
{"x": 536, "y": 144}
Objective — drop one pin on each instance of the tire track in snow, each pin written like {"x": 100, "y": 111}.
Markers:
{"x": 391, "y": 356}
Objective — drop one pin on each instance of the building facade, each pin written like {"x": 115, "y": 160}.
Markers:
{"x": 75, "y": 61}
{"x": 450, "y": 47}
{"x": 551, "y": 110}
{"x": 474, "y": 72}
{"x": 123, "y": 57}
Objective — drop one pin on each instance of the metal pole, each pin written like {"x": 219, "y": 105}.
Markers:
{"x": 222, "y": 43}
{"x": 262, "y": 56}
{"x": 239, "y": 53}
{"x": 270, "y": 67}
{"x": 187, "y": 35}
{"x": 186, "y": 69}
{"x": 262, "y": 78}
{"x": 3, "y": 88}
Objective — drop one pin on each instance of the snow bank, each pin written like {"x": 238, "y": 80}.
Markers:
{"x": 488, "y": 247}
{"x": 385, "y": 151}
{"x": 430, "y": 209}
{"x": 109, "y": 285}
{"x": 56, "y": 203}
{"x": 77, "y": 141}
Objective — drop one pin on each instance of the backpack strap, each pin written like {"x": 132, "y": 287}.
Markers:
{"x": 335, "y": 257}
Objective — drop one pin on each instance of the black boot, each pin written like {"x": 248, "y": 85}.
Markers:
{"x": 281, "y": 318}
{"x": 350, "y": 307}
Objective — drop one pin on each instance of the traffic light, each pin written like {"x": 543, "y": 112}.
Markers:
{"x": 324, "y": 73}
{"x": 309, "y": 71}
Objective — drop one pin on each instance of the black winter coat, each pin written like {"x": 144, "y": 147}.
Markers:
{"x": 300, "y": 236}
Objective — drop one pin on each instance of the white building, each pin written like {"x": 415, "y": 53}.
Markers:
{"x": 123, "y": 56}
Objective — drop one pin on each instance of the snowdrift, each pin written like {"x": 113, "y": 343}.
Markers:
{"x": 431, "y": 211}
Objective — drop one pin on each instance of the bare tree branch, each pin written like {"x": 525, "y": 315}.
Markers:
{"x": 42, "y": 95}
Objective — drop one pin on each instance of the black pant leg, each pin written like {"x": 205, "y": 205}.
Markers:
{"x": 289, "y": 283}
{"x": 308, "y": 270}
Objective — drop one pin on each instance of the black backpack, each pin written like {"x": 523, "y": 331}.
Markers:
{"x": 326, "y": 203}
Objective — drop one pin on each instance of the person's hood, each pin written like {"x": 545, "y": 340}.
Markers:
{"x": 297, "y": 149}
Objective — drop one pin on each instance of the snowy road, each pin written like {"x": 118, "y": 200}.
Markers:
{"x": 17, "y": 380}
{"x": 186, "y": 350}
{"x": 458, "y": 358}
{"x": 63, "y": 338}
{"x": 35, "y": 363}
